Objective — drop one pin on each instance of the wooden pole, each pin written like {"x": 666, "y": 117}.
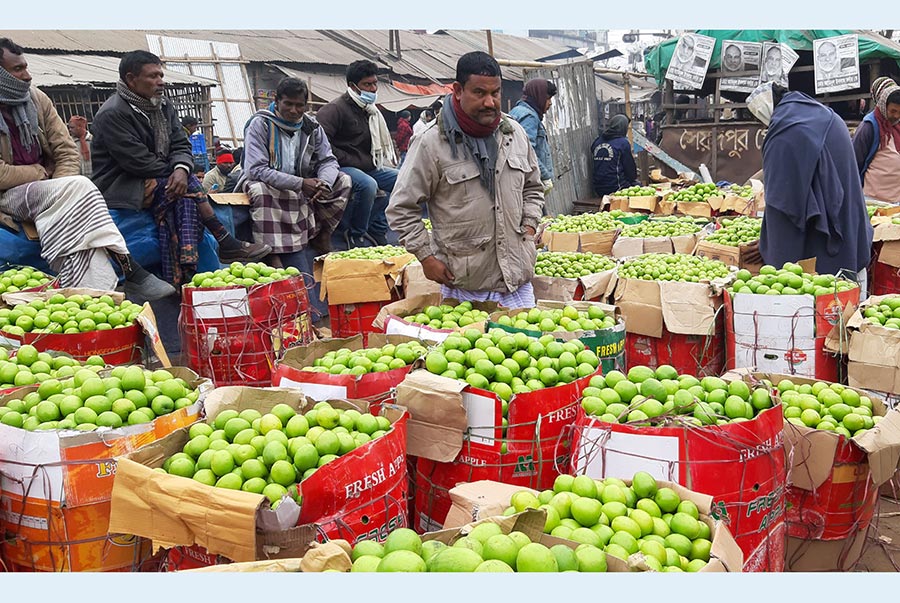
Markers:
{"x": 626, "y": 81}
{"x": 490, "y": 42}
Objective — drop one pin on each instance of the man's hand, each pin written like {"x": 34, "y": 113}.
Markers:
{"x": 176, "y": 186}
{"x": 314, "y": 189}
{"x": 435, "y": 270}
{"x": 752, "y": 254}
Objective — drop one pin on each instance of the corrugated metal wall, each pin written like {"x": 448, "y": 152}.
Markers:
{"x": 572, "y": 125}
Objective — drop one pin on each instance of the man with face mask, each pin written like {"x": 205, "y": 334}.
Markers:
{"x": 362, "y": 143}
{"x": 815, "y": 206}
{"x": 479, "y": 177}
{"x": 876, "y": 143}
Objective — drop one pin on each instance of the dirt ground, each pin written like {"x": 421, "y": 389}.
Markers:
{"x": 882, "y": 551}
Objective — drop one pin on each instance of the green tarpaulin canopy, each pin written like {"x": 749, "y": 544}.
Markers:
{"x": 871, "y": 45}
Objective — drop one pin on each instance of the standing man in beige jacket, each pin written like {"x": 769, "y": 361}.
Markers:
{"x": 479, "y": 178}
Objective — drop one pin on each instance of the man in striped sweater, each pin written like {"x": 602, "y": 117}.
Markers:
{"x": 40, "y": 182}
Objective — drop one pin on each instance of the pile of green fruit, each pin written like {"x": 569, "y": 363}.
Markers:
{"x": 382, "y": 252}
{"x": 485, "y": 549}
{"x": 73, "y": 314}
{"x": 26, "y": 277}
{"x": 827, "y": 406}
{"x": 745, "y": 191}
{"x": 510, "y": 363}
{"x": 271, "y": 453}
{"x": 895, "y": 220}
{"x": 596, "y": 222}
{"x": 28, "y": 366}
{"x": 648, "y": 397}
{"x": 569, "y": 264}
{"x": 624, "y": 520}
{"x": 788, "y": 280}
{"x": 886, "y": 313}
{"x": 696, "y": 193}
{"x": 736, "y": 231}
{"x": 662, "y": 228}
{"x": 636, "y": 191}
{"x": 673, "y": 267}
{"x": 86, "y": 401}
{"x": 427, "y": 223}
{"x": 568, "y": 318}
{"x": 368, "y": 360}
{"x": 243, "y": 275}
{"x": 446, "y": 316}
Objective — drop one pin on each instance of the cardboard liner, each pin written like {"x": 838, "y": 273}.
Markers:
{"x": 684, "y": 308}
{"x": 348, "y": 281}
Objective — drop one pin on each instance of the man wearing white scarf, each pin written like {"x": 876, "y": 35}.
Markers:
{"x": 362, "y": 143}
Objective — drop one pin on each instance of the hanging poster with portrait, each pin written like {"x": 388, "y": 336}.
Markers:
{"x": 777, "y": 61}
{"x": 690, "y": 61}
{"x": 739, "y": 57}
{"x": 836, "y": 63}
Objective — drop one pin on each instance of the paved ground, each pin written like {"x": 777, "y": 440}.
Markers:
{"x": 882, "y": 552}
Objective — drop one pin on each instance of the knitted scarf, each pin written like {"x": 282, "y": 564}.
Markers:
{"x": 882, "y": 88}
{"x": 382, "y": 145}
{"x": 16, "y": 93}
{"x": 478, "y": 140}
{"x": 152, "y": 108}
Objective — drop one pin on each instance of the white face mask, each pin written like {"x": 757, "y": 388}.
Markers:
{"x": 761, "y": 103}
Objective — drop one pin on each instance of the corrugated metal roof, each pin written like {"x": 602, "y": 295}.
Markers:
{"x": 327, "y": 87}
{"x": 69, "y": 70}
{"x": 334, "y": 47}
{"x": 613, "y": 88}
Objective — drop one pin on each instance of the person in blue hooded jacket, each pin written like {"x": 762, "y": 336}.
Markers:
{"x": 537, "y": 97}
{"x": 815, "y": 206}
{"x": 614, "y": 167}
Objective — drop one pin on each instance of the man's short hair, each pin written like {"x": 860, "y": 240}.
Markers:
{"x": 238, "y": 154}
{"x": 551, "y": 89}
{"x": 429, "y": 113}
{"x": 405, "y": 114}
{"x": 8, "y": 45}
{"x": 133, "y": 62}
{"x": 476, "y": 63}
{"x": 358, "y": 70}
{"x": 292, "y": 87}
{"x": 189, "y": 120}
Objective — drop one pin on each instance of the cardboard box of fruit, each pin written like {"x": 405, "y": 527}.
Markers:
{"x": 747, "y": 200}
{"x": 874, "y": 345}
{"x": 687, "y": 303}
{"x": 887, "y": 232}
{"x": 104, "y": 323}
{"x": 669, "y": 235}
{"x": 778, "y": 321}
{"x": 25, "y": 278}
{"x": 368, "y": 381}
{"x": 700, "y": 200}
{"x": 599, "y": 326}
{"x": 431, "y": 317}
{"x": 73, "y": 464}
{"x": 331, "y": 556}
{"x": 569, "y": 276}
{"x": 635, "y": 198}
{"x": 491, "y": 501}
{"x": 586, "y": 233}
{"x": 732, "y": 242}
{"x": 232, "y": 519}
{"x": 365, "y": 274}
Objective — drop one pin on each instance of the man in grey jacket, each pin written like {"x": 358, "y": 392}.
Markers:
{"x": 479, "y": 177}
{"x": 297, "y": 191}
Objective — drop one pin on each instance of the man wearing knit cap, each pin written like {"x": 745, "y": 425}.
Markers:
{"x": 214, "y": 181}
{"x": 877, "y": 143}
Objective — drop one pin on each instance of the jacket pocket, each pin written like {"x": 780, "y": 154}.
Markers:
{"x": 463, "y": 180}
{"x": 463, "y": 250}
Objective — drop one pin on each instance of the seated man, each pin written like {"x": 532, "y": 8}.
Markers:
{"x": 40, "y": 182}
{"x": 297, "y": 192}
{"x": 214, "y": 180}
{"x": 362, "y": 144}
{"x": 142, "y": 159}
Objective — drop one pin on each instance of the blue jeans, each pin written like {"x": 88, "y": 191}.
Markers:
{"x": 365, "y": 211}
